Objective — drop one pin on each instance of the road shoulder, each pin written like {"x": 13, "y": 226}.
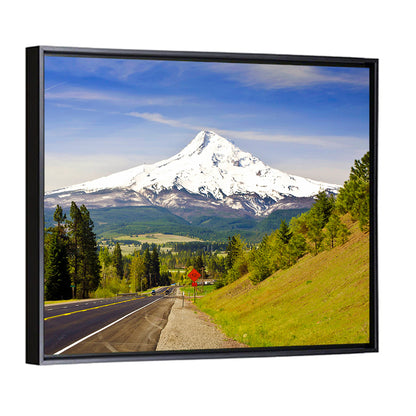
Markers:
{"x": 190, "y": 329}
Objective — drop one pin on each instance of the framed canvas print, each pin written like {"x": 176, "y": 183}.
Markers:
{"x": 199, "y": 205}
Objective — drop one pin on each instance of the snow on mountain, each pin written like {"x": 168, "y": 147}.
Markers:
{"x": 210, "y": 166}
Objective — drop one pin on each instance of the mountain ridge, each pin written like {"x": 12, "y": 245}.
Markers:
{"x": 210, "y": 172}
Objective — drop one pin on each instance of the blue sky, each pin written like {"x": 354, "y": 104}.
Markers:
{"x": 106, "y": 115}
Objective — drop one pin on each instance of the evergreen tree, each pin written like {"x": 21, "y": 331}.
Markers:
{"x": 315, "y": 232}
{"x": 236, "y": 260}
{"x": 279, "y": 255}
{"x": 199, "y": 264}
{"x": 75, "y": 233}
{"x": 165, "y": 275}
{"x": 104, "y": 256}
{"x": 118, "y": 261}
{"x": 332, "y": 227}
{"x": 56, "y": 268}
{"x": 299, "y": 225}
{"x": 90, "y": 265}
{"x": 260, "y": 264}
{"x": 284, "y": 232}
{"x": 59, "y": 217}
{"x": 322, "y": 208}
{"x": 296, "y": 248}
{"x": 57, "y": 278}
{"x": 342, "y": 234}
{"x": 155, "y": 267}
{"x": 83, "y": 255}
{"x": 147, "y": 266}
{"x": 234, "y": 249}
{"x": 354, "y": 196}
{"x": 361, "y": 169}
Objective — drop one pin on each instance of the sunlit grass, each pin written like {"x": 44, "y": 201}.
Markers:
{"x": 321, "y": 300}
{"x": 200, "y": 290}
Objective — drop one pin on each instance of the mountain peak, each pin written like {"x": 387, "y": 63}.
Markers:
{"x": 207, "y": 135}
{"x": 209, "y": 167}
{"x": 204, "y": 139}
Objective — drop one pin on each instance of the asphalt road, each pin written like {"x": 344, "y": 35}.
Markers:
{"x": 105, "y": 326}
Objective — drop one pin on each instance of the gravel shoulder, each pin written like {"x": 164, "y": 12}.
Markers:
{"x": 190, "y": 329}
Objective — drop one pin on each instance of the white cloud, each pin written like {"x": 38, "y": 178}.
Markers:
{"x": 159, "y": 118}
{"x": 54, "y": 86}
{"x": 120, "y": 69}
{"x": 290, "y": 76}
{"x": 319, "y": 141}
{"x": 83, "y": 94}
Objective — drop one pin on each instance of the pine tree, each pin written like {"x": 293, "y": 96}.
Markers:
{"x": 315, "y": 232}
{"x": 90, "y": 265}
{"x": 59, "y": 217}
{"x": 104, "y": 256}
{"x": 296, "y": 248}
{"x": 322, "y": 208}
{"x": 147, "y": 267}
{"x": 354, "y": 196}
{"x": 342, "y": 234}
{"x": 260, "y": 264}
{"x": 57, "y": 277}
{"x": 199, "y": 264}
{"x": 118, "y": 260}
{"x": 83, "y": 255}
{"x": 284, "y": 232}
{"x": 299, "y": 225}
{"x": 234, "y": 249}
{"x": 155, "y": 267}
{"x": 75, "y": 233}
{"x": 279, "y": 254}
{"x": 361, "y": 169}
{"x": 332, "y": 227}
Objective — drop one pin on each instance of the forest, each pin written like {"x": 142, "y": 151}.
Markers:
{"x": 75, "y": 267}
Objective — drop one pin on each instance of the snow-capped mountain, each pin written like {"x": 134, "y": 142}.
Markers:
{"x": 210, "y": 172}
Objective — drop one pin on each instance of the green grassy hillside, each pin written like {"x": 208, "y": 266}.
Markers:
{"x": 321, "y": 300}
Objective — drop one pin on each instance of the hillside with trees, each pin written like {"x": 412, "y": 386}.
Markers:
{"x": 319, "y": 229}
{"x": 323, "y": 299}
{"x": 307, "y": 282}
{"x": 75, "y": 267}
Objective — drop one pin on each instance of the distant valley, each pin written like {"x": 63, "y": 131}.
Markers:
{"x": 210, "y": 190}
{"x": 112, "y": 223}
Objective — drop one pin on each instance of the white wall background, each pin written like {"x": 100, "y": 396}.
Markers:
{"x": 329, "y": 385}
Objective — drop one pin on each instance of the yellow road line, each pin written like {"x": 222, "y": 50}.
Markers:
{"x": 107, "y": 326}
{"x": 95, "y": 307}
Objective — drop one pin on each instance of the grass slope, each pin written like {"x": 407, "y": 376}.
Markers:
{"x": 321, "y": 300}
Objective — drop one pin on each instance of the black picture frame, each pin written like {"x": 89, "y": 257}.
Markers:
{"x": 35, "y": 130}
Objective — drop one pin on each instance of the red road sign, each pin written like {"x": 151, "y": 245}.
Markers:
{"x": 194, "y": 284}
{"x": 194, "y": 275}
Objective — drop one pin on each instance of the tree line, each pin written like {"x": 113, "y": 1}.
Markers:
{"x": 71, "y": 266}
{"x": 320, "y": 228}
{"x": 130, "y": 273}
{"x": 74, "y": 267}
